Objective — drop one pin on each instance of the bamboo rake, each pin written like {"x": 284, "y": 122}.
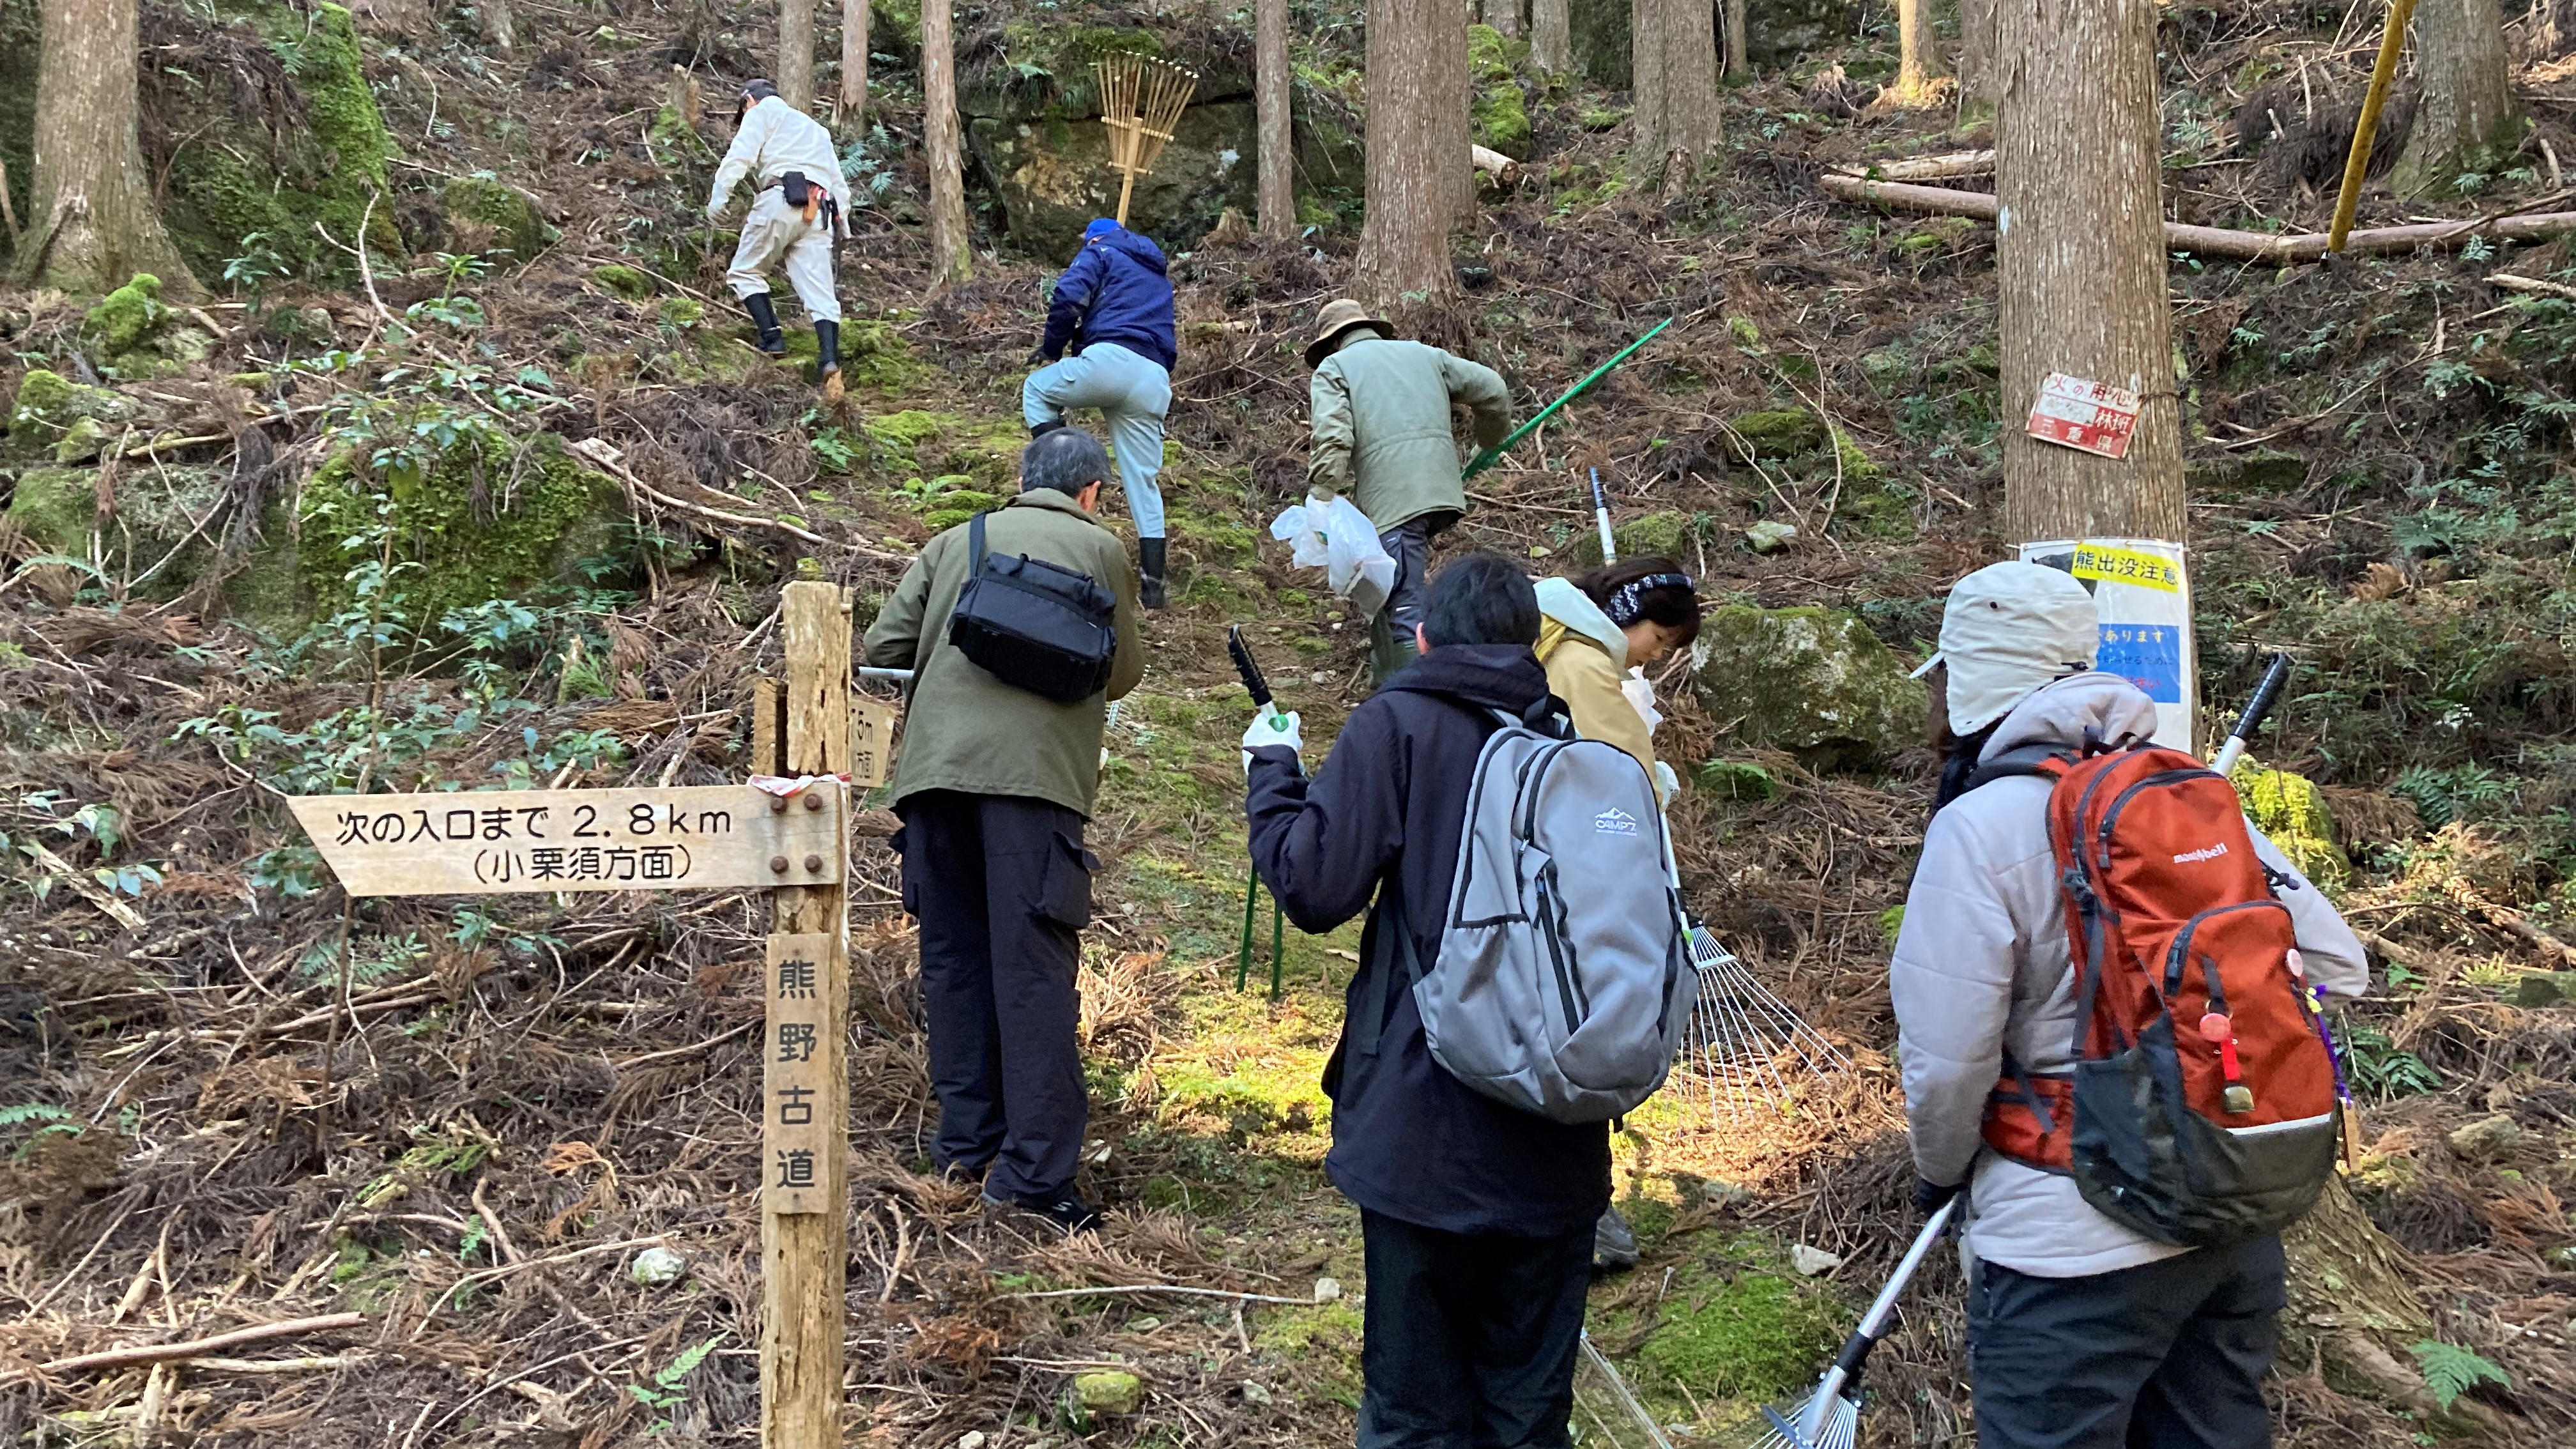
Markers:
{"x": 1141, "y": 100}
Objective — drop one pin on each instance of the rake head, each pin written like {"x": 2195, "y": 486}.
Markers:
{"x": 1745, "y": 1042}
{"x": 1141, "y": 100}
{"x": 1836, "y": 1425}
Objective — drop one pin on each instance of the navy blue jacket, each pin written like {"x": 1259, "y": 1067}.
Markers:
{"x": 1115, "y": 291}
{"x": 1390, "y": 803}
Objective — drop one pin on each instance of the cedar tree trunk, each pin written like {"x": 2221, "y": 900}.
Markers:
{"x": 1979, "y": 71}
{"x": 2467, "y": 120}
{"x": 796, "y": 54}
{"x": 90, "y": 223}
{"x": 1504, "y": 16}
{"x": 1413, "y": 170}
{"x": 2080, "y": 265}
{"x": 1675, "y": 48}
{"x": 1736, "y": 64}
{"x": 1452, "y": 110}
{"x": 952, "y": 260}
{"x": 854, "y": 65}
{"x": 498, "y": 26}
{"x": 1919, "y": 56}
{"x": 1274, "y": 196}
{"x": 1551, "y": 35}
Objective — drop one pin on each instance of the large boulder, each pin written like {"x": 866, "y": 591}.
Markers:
{"x": 1811, "y": 681}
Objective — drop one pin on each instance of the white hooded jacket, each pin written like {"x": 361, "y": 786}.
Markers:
{"x": 1982, "y": 965}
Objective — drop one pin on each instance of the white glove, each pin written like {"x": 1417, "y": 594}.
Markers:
{"x": 1272, "y": 729}
{"x": 1667, "y": 784}
{"x": 715, "y": 211}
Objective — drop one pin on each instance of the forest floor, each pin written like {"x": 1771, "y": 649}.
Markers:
{"x": 234, "y": 1096}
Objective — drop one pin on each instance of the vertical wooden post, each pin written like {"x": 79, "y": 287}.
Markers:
{"x": 804, "y": 1221}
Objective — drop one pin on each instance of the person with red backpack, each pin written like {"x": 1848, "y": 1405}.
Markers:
{"x": 2107, "y": 990}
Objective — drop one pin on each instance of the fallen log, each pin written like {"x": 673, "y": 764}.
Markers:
{"x": 2213, "y": 241}
{"x": 1922, "y": 168}
{"x": 192, "y": 1348}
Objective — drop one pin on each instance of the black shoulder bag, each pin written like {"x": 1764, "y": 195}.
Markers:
{"x": 1035, "y": 625}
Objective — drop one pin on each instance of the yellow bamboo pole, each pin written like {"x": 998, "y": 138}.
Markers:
{"x": 2391, "y": 42}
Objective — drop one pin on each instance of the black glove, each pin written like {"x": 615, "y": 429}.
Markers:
{"x": 1930, "y": 1197}
{"x": 1038, "y": 357}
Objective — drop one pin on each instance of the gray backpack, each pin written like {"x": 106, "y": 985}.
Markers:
{"x": 1564, "y": 982}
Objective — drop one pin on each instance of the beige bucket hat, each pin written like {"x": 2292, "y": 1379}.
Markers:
{"x": 1340, "y": 315}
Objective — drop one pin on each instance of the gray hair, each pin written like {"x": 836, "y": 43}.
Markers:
{"x": 1067, "y": 460}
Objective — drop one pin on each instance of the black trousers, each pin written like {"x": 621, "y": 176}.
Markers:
{"x": 1002, "y": 887}
{"x": 2166, "y": 1355}
{"x": 1391, "y": 642}
{"x": 1469, "y": 1341}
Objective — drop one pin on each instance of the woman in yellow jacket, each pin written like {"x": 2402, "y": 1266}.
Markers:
{"x": 1591, "y": 630}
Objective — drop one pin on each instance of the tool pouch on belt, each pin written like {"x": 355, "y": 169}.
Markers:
{"x": 802, "y": 193}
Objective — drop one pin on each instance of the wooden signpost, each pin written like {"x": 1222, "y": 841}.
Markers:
{"x": 720, "y": 837}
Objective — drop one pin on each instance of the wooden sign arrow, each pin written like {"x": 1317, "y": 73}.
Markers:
{"x": 698, "y": 837}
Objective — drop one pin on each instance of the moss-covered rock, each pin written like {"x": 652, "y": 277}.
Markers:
{"x": 1661, "y": 534}
{"x": 125, "y": 317}
{"x": 153, "y": 521}
{"x": 488, "y": 522}
{"x": 1811, "y": 681}
{"x": 1502, "y": 119}
{"x": 484, "y": 215}
{"x": 2292, "y": 811}
{"x": 54, "y": 416}
{"x": 1777, "y": 433}
{"x": 620, "y": 280}
{"x": 311, "y": 148}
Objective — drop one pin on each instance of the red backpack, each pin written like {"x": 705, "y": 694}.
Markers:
{"x": 2202, "y": 1107}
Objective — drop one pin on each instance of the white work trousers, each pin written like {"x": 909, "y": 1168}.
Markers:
{"x": 1132, "y": 392}
{"x": 774, "y": 230}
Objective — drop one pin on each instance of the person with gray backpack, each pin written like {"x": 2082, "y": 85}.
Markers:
{"x": 1524, "y": 980}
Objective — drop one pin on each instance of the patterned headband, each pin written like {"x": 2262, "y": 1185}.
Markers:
{"x": 1626, "y": 605}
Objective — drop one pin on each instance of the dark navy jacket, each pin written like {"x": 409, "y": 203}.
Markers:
{"x": 1115, "y": 291}
{"x": 1390, "y": 803}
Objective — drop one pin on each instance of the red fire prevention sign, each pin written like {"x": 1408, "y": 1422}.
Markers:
{"x": 2090, "y": 417}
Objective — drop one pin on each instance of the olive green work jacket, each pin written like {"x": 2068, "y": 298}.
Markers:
{"x": 1380, "y": 412}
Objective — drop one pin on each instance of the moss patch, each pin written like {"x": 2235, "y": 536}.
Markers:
{"x": 1778, "y": 433}
{"x": 619, "y": 280}
{"x": 1661, "y": 534}
{"x": 1751, "y": 1335}
{"x": 483, "y": 203}
{"x": 53, "y": 414}
{"x": 1812, "y": 681}
{"x": 2291, "y": 810}
{"x": 125, "y": 317}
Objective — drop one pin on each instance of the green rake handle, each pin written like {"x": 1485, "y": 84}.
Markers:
{"x": 1490, "y": 456}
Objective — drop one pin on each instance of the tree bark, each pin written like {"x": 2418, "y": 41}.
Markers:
{"x": 2467, "y": 120}
{"x": 952, "y": 258}
{"x": 91, "y": 223}
{"x": 1505, "y": 17}
{"x": 854, "y": 65}
{"x": 2353, "y": 1313}
{"x": 498, "y": 25}
{"x": 1676, "y": 124}
{"x": 796, "y": 54}
{"x": 1979, "y": 72}
{"x": 1736, "y": 20}
{"x": 1452, "y": 111}
{"x": 1551, "y": 36}
{"x": 1918, "y": 56}
{"x": 1274, "y": 194}
{"x": 1412, "y": 174}
{"x": 2080, "y": 265}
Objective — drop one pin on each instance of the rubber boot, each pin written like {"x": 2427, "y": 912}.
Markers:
{"x": 1149, "y": 568}
{"x": 827, "y": 341}
{"x": 1040, "y": 430}
{"x": 772, "y": 340}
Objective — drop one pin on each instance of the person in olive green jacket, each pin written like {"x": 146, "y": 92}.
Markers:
{"x": 994, "y": 787}
{"x": 1380, "y": 410}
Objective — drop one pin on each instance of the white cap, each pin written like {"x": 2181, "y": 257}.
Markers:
{"x": 2010, "y": 628}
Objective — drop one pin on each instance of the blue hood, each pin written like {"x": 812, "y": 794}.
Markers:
{"x": 1116, "y": 291}
{"x": 1108, "y": 233}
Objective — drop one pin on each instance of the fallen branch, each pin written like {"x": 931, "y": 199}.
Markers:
{"x": 1494, "y": 163}
{"x": 321, "y": 1363}
{"x": 1923, "y": 168}
{"x": 190, "y": 1348}
{"x": 84, "y": 887}
{"x": 607, "y": 456}
{"x": 508, "y": 1269}
{"x": 2534, "y": 285}
{"x": 1169, "y": 1288}
{"x": 2253, "y": 246}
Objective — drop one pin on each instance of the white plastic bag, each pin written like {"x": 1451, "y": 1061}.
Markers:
{"x": 1641, "y": 695}
{"x": 1335, "y": 536}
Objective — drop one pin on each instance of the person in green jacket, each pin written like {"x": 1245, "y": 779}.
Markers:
{"x": 994, "y": 787}
{"x": 1380, "y": 410}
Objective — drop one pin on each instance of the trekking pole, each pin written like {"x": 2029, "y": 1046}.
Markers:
{"x": 870, "y": 671}
{"x": 1601, "y": 518}
{"x": 1494, "y": 454}
{"x": 1830, "y": 1419}
{"x": 1259, "y": 688}
{"x": 2266, "y": 694}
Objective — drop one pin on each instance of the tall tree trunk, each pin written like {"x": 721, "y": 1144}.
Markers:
{"x": 1274, "y": 196}
{"x": 1411, "y": 186}
{"x": 854, "y": 65}
{"x": 498, "y": 25}
{"x": 796, "y": 54}
{"x": 2080, "y": 265}
{"x": 1551, "y": 36}
{"x": 2467, "y": 120}
{"x": 1736, "y": 20}
{"x": 1675, "y": 49}
{"x": 1452, "y": 109}
{"x": 90, "y": 223}
{"x": 1918, "y": 56}
{"x": 1504, "y": 16}
{"x": 951, "y": 255}
{"x": 1980, "y": 73}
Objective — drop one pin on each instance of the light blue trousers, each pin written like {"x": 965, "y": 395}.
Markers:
{"x": 1132, "y": 393}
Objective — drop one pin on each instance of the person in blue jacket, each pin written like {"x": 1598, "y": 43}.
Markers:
{"x": 1110, "y": 344}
